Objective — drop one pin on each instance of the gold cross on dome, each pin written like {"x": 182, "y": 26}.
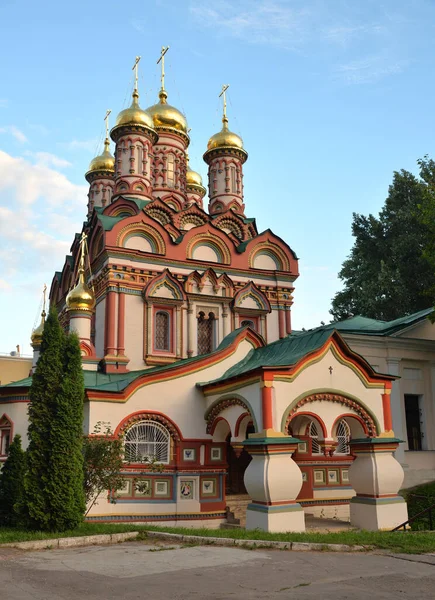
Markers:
{"x": 106, "y": 119}
{"x": 224, "y": 94}
{"x": 162, "y": 60}
{"x": 44, "y": 292}
{"x": 83, "y": 239}
{"x": 135, "y": 69}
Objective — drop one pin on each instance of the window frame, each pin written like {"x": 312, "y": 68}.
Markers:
{"x": 158, "y": 427}
{"x": 170, "y": 172}
{"x": 343, "y": 443}
{"x": 213, "y": 330}
{"x": 170, "y": 312}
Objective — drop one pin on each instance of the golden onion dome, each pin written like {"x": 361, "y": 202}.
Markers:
{"x": 165, "y": 115}
{"x": 225, "y": 138}
{"x": 36, "y": 337}
{"x": 193, "y": 178}
{"x": 104, "y": 161}
{"x": 81, "y": 296}
{"x": 134, "y": 115}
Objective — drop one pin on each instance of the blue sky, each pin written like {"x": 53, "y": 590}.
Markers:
{"x": 330, "y": 97}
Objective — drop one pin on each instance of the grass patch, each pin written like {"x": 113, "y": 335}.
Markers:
{"x": 9, "y": 534}
{"x": 419, "y": 498}
{"x": 403, "y": 542}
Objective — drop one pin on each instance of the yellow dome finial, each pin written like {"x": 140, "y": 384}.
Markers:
{"x": 36, "y": 337}
{"x": 163, "y": 95}
{"x": 104, "y": 161}
{"x": 133, "y": 115}
{"x": 164, "y": 115}
{"x": 225, "y": 138}
{"x": 81, "y": 296}
{"x": 224, "y": 115}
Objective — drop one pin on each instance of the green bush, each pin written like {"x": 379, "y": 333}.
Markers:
{"x": 420, "y": 498}
{"x": 12, "y": 484}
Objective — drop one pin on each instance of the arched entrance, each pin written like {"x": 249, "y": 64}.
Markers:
{"x": 230, "y": 421}
{"x": 238, "y": 460}
{"x": 325, "y": 423}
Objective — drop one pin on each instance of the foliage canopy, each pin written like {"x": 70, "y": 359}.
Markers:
{"x": 389, "y": 273}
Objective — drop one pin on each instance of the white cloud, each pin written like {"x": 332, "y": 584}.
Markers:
{"x": 369, "y": 70}
{"x": 4, "y": 103}
{"x": 26, "y": 183}
{"x": 40, "y": 210}
{"x": 344, "y": 29}
{"x": 264, "y": 22}
{"x": 342, "y": 35}
{"x": 89, "y": 145}
{"x": 5, "y": 286}
{"x": 14, "y": 132}
{"x": 47, "y": 159}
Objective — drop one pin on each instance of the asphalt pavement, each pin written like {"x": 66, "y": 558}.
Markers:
{"x": 160, "y": 571}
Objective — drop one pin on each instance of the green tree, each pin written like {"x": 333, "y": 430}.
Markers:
{"x": 43, "y": 394}
{"x": 103, "y": 460}
{"x": 65, "y": 486}
{"x": 12, "y": 484}
{"x": 427, "y": 210}
{"x": 54, "y": 498}
{"x": 387, "y": 274}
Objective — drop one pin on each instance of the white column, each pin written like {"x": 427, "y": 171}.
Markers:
{"x": 399, "y": 426}
{"x": 273, "y": 504}
{"x": 192, "y": 327}
{"x": 263, "y": 326}
{"x": 226, "y": 320}
{"x": 178, "y": 330}
{"x": 376, "y": 476}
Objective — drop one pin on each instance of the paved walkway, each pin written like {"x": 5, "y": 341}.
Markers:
{"x": 134, "y": 571}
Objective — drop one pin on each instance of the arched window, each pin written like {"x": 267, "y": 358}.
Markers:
{"x": 170, "y": 170}
{"x": 206, "y": 327}
{"x": 147, "y": 440}
{"x": 314, "y": 435}
{"x": 162, "y": 338}
{"x": 247, "y": 323}
{"x": 5, "y": 435}
{"x": 233, "y": 180}
{"x": 343, "y": 438}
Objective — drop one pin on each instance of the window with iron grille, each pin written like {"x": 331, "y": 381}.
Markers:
{"x": 343, "y": 438}
{"x": 162, "y": 331}
{"x": 314, "y": 435}
{"x": 247, "y": 323}
{"x": 147, "y": 440}
{"x": 206, "y": 333}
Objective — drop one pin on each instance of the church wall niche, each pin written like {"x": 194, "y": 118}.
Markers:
{"x": 140, "y": 242}
{"x": 100, "y": 326}
{"x": 134, "y": 331}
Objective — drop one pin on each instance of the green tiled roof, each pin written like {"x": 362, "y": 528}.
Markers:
{"x": 285, "y": 352}
{"x": 364, "y": 326}
{"x": 117, "y": 382}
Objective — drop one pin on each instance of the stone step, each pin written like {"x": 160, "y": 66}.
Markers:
{"x": 236, "y": 509}
{"x": 230, "y": 526}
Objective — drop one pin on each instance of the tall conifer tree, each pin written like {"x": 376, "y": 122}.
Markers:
{"x": 44, "y": 393}
{"x": 12, "y": 483}
{"x": 65, "y": 488}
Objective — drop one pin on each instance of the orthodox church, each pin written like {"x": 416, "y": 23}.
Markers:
{"x": 183, "y": 310}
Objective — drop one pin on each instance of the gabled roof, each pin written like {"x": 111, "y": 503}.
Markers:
{"x": 118, "y": 382}
{"x": 364, "y": 326}
{"x": 290, "y": 351}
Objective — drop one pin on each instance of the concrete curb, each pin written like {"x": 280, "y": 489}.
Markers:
{"x": 216, "y": 541}
{"x": 115, "y": 538}
{"x": 69, "y": 542}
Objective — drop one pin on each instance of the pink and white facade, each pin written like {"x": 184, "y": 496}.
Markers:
{"x": 188, "y": 349}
